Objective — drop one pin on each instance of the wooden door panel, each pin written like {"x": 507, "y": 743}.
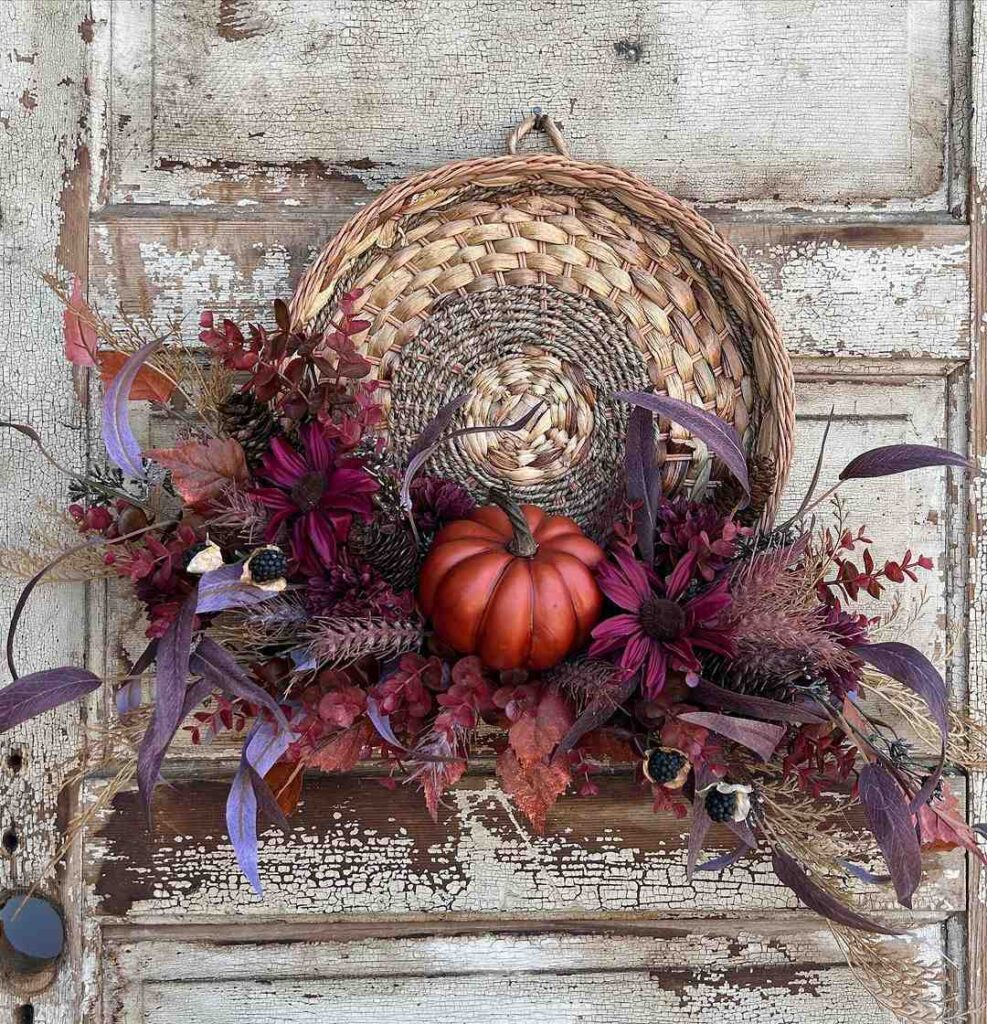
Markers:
{"x": 764, "y": 971}
{"x": 214, "y": 146}
{"x": 758, "y": 101}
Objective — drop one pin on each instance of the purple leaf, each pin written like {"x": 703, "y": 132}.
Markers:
{"x": 912, "y": 669}
{"x": 761, "y": 737}
{"x": 41, "y": 691}
{"x": 643, "y": 478}
{"x": 930, "y": 785}
{"x": 215, "y": 663}
{"x": 701, "y": 821}
{"x": 267, "y": 804}
{"x": 22, "y": 598}
{"x": 718, "y": 435}
{"x": 900, "y": 458}
{"x": 599, "y": 710}
{"x": 241, "y": 825}
{"x": 715, "y": 696}
{"x": 382, "y": 723}
{"x": 221, "y": 589}
{"x": 170, "y": 686}
{"x": 121, "y": 445}
{"x": 437, "y": 425}
{"x": 261, "y": 750}
{"x": 890, "y": 819}
{"x": 128, "y": 696}
{"x": 302, "y": 658}
{"x": 725, "y": 860}
{"x": 791, "y": 873}
{"x": 195, "y": 695}
{"x": 423, "y": 454}
{"x": 862, "y": 874}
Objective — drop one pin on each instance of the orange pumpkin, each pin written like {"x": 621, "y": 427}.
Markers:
{"x": 513, "y": 585}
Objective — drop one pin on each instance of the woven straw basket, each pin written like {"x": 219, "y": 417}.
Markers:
{"x": 527, "y": 279}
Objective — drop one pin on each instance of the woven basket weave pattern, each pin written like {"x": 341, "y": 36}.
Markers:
{"x": 538, "y": 278}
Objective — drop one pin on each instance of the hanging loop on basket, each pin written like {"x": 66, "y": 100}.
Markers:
{"x": 540, "y": 123}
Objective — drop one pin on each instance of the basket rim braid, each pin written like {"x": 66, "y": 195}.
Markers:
{"x": 495, "y": 273}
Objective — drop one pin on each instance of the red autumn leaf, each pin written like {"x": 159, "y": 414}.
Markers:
{"x": 941, "y": 825}
{"x": 80, "y": 339}
{"x": 538, "y": 731}
{"x": 534, "y": 787}
{"x": 149, "y": 386}
{"x": 436, "y": 778}
{"x": 606, "y": 745}
{"x": 202, "y": 471}
{"x": 285, "y": 780}
{"x": 342, "y": 752}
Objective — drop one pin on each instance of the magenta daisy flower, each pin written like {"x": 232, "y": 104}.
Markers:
{"x": 315, "y": 494}
{"x": 659, "y": 631}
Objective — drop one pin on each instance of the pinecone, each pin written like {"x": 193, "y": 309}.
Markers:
{"x": 250, "y": 422}
{"x": 771, "y": 674}
{"x": 390, "y": 547}
{"x": 730, "y": 493}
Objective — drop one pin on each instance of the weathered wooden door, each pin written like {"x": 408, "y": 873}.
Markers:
{"x": 181, "y": 154}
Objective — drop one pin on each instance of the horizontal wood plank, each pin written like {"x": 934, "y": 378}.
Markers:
{"x": 356, "y": 849}
{"x": 770, "y": 104}
{"x": 702, "y": 972}
{"x": 838, "y": 290}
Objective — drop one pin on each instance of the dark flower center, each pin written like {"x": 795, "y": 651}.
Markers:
{"x": 662, "y": 619}
{"x": 308, "y": 491}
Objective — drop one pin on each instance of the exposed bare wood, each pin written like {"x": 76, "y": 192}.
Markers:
{"x": 761, "y": 102}
{"x": 357, "y": 851}
{"x": 699, "y": 972}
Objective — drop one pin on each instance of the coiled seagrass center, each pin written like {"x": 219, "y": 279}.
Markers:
{"x": 512, "y": 350}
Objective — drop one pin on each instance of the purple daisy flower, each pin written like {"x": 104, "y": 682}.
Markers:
{"x": 659, "y": 631}
{"x": 315, "y": 494}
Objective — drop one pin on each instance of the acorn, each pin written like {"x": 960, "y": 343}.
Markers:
{"x": 728, "y": 801}
{"x": 665, "y": 766}
{"x": 131, "y": 519}
{"x": 266, "y": 568}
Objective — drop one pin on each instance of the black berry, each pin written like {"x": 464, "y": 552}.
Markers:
{"x": 721, "y": 806}
{"x": 663, "y": 765}
{"x": 191, "y": 552}
{"x": 267, "y": 564}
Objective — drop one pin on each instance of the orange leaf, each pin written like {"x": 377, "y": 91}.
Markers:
{"x": 605, "y": 745}
{"x": 150, "y": 385}
{"x": 80, "y": 339}
{"x": 537, "y": 733}
{"x": 342, "y": 751}
{"x": 201, "y": 472}
{"x": 285, "y": 780}
{"x": 534, "y": 787}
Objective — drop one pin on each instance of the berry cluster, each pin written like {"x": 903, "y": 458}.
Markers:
{"x": 662, "y": 766}
{"x": 267, "y": 564}
{"x": 721, "y": 806}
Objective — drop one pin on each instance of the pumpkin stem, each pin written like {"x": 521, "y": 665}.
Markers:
{"x": 524, "y": 544}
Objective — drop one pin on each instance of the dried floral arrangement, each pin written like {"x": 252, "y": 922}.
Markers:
{"x": 331, "y": 604}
